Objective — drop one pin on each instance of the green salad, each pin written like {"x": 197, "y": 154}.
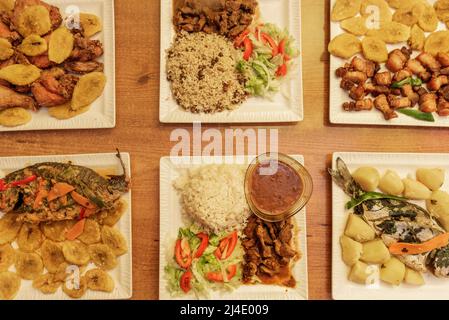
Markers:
{"x": 203, "y": 262}
{"x": 268, "y": 56}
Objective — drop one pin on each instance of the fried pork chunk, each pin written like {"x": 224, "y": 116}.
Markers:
{"x": 406, "y": 82}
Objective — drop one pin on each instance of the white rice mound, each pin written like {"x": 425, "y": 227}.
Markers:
{"x": 214, "y": 197}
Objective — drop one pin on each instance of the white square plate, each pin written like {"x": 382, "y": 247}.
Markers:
{"x": 338, "y": 96}
{"x": 102, "y": 111}
{"x": 122, "y": 274}
{"x": 284, "y": 13}
{"x": 171, "y": 221}
{"x": 404, "y": 164}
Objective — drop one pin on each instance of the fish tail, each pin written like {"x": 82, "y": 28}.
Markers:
{"x": 343, "y": 178}
{"x": 120, "y": 183}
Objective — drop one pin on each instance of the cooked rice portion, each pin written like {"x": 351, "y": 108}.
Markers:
{"x": 202, "y": 70}
{"x": 214, "y": 196}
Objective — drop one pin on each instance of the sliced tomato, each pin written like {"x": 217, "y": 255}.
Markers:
{"x": 282, "y": 46}
{"x": 227, "y": 246}
{"x": 186, "y": 281}
{"x": 203, "y": 246}
{"x": 266, "y": 38}
{"x": 238, "y": 42}
{"x": 218, "y": 276}
{"x": 248, "y": 49}
{"x": 282, "y": 70}
{"x": 183, "y": 254}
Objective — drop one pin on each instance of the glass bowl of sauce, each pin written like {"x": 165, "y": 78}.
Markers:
{"x": 277, "y": 187}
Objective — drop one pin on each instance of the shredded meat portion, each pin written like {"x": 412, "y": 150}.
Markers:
{"x": 226, "y": 17}
{"x": 269, "y": 253}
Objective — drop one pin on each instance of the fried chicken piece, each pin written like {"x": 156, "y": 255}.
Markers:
{"x": 79, "y": 67}
{"x": 407, "y": 91}
{"x": 443, "y": 59}
{"x": 11, "y": 99}
{"x": 20, "y": 5}
{"x": 341, "y": 72}
{"x": 346, "y": 84}
{"x": 357, "y": 92}
{"x": 436, "y": 83}
{"x": 17, "y": 58}
{"x": 86, "y": 49}
{"x": 374, "y": 90}
{"x": 381, "y": 104}
{"x": 443, "y": 107}
{"x": 428, "y": 102}
{"x": 42, "y": 61}
{"x": 361, "y": 105}
{"x": 356, "y": 77}
{"x": 383, "y": 78}
{"x": 415, "y": 67}
{"x": 402, "y": 74}
{"x": 428, "y": 61}
{"x": 396, "y": 60}
{"x": 396, "y": 102}
{"x": 445, "y": 71}
{"x": 367, "y": 67}
{"x": 54, "y": 88}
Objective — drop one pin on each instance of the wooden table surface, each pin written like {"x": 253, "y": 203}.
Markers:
{"x": 139, "y": 132}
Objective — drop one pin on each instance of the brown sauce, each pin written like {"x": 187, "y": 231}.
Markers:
{"x": 275, "y": 194}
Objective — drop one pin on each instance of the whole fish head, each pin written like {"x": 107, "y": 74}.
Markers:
{"x": 343, "y": 178}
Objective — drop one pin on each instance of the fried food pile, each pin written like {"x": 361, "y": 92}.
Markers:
{"x": 46, "y": 62}
{"x": 47, "y": 258}
{"x": 407, "y": 82}
{"x": 225, "y": 17}
{"x": 269, "y": 252}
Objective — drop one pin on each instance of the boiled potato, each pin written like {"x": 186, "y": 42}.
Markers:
{"x": 392, "y": 272}
{"x": 367, "y": 177}
{"x": 438, "y": 206}
{"x": 415, "y": 190}
{"x": 14, "y": 117}
{"x": 391, "y": 184}
{"x": 413, "y": 277}
{"x": 358, "y": 229}
{"x": 361, "y": 273}
{"x": 375, "y": 251}
{"x": 351, "y": 250}
{"x": 431, "y": 178}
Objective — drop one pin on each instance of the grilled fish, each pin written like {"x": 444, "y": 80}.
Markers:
{"x": 55, "y": 191}
{"x": 396, "y": 220}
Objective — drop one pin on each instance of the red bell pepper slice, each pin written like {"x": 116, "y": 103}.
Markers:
{"x": 24, "y": 181}
{"x": 227, "y": 245}
{"x": 248, "y": 49}
{"x": 183, "y": 254}
{"x": 266, "y": 38}
{"x": 282, "y": 70}
{"x": 203, "y": 246}
{"x": 218, "y": 276}
{"x": 239, "y": 40}
{"x": 186, "y": 281}
{"x": 3, "y": 185}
